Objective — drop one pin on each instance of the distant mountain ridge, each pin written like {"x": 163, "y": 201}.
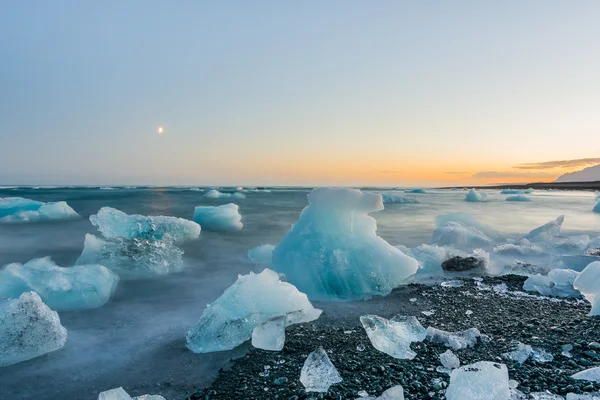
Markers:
{"x": 589, "y": 174}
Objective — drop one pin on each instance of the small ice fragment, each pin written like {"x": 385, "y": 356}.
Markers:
{"x": 449, "y": 360}
{"x": 270, "y": 335}
{"x": 468, "y": 312}
{"x": 318, "y": 373}
{"x": 412, "y": 300}
{"x": 428, "y": 313}
{"x": 454, "y": 283}
{"x": 545, "y": 396}
{"x": 363, "y": 393}
{"x": 566, "y": 350}
{"x": 149, "y": 397}
{"x": 394, "y": 336}
{"x": 28, "y": 329}
{"x": 225, "y": 218}
{"x": 360, "y": 347}
{"x": 541, "y": 356}
{"x": 114, "y": 394}
{"x": 591, "y": 374}
{"x": 522, "y": 352}
{"x": 482, "y": 380}
{"x": 455, "y": 340}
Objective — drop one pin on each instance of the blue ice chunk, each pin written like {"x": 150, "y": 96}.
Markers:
{"x": 28, "y": 329}
{"x": 475, "y": 196}
{"x": 518, "y": 197}
{"x": 559, "y": 282}
{"x": 261, "y": 255}
{"x": 221, "y": 218}
{"x": 389, "y": 198}
{"x": 419, "y": 191}
{"x": 512, "y": 191}
{"x": 596, "y": 208}
{"x": 132, "y": 258}
{"x": 113, "y": 223}
{"x": 19, "y": 209}
{"x": 333, "y": 252}
{"x": 75, "y": 288}
{"x": 250, "y": 302}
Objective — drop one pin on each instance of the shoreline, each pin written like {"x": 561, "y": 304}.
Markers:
{"x": 536, "y": 185}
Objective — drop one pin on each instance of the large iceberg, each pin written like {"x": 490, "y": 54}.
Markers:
{"x": 121, "y": 394}
{"x": 113, "y": 223}
{"x": 250, "y": 302}
{"x": 394, "y": 336}
{"x": 74, "y": 288}
{"x": 19, "y": 209}
{"x": 475, "y": 196}
{"x": 389, "y": 198}
{"x": 333, "y": 252}
{"x": 318, "y": 373}
{"x": 215, "y": 194}
{"x": 132, "y": 258}
{"x": 482, "y": 380}
{"x": 225, "y": 218}
{"x": 588, "y": 283}
{"x": 558, "y": 282}
{"x": 28, "y": 329}
{"x": 261, "y": 255}
{"x": 518, "y": 197}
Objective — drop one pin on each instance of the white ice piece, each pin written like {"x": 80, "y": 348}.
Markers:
{"x": 215, "y": 194}
{"x": 225, "y": 218}
{"x": 559, "y": 282}
{"x": 482, "y": 380}
{"x": 270, "y": 335}
{"x": 394, "y": 336}
{"x": 475, "y": 196}
{"x": 591, "y": 374}
{"x": 318, "y": 373}
{"x": 454, "y": 340}
{"x": 449, "y": 360}
{"x": 588, "y": 283}
{"x": 251, "y": 301}
{"x": 522, "y": 352}
{"x": 28, "y": 329}
{"x": 19, "y": 209}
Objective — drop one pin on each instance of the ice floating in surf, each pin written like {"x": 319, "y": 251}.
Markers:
{"x": 250, "y": 302}
{"x": 318, "y": 373}
{"x": 28, "y": 329}
{"x": 588, "y": 283}
{"x": 225, "y": 218}
{"x": 75, "y": 288}
{"x": 418, "y": 191}
{"x": 482, "y": 380}
{"x": 389, "y": 198}
{"x": 19, "y": 209}
{"x": 518, "y": 197}
{"x": 215, "y": 194}
{"x": 475, "y": 196}
{"x": 261, "y": 255}
{"x": 113, "y": 223}
{"x": 394, "y": 336}
{"x": 333, "y": 252}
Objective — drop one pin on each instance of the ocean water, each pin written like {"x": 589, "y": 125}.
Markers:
{"x": 137, "y": 340}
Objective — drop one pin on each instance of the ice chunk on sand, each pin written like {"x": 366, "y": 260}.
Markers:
{"x": 591, "y": 396}
{"x": 393, "y": 393}
{"x": 261, "y": 255}
{"x": 546, "y": 232}
{"x": 394, "y": 336}
{"x": 524, "y": 269}
{"x": 389, "y": 198}
{"x": 475, "y": 196}
{"x": 75, "y": 288}
{"x": 522, "y": 352}
{"x": 133, "y": 258}
{"x": 518, "y": 197}
{"x": 121, "y": 394}
{"x": 318, "y": 373}
{"x": 454, "y": 340}
{"x": 251, "y": 301}
{"x": 28, "y": 329}
{"x": 19, "y": 209}
{"x": 270, "y": 335}
{"x": 333, "y": 252}
{"x": 113, "y": 223}
{"x": 559, "y": 282}
{"x": 588, "y": 283}
{"x": 591, "y": 374}
{"x": 449, "y": 360}
{"x": 225, "y": 218}
{"x": 215, "y": 194}
{"x": 482, "y": 380}
{"x": 545, "y": 396}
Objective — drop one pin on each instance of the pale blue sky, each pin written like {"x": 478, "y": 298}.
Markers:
{"x": 294, "y": 92}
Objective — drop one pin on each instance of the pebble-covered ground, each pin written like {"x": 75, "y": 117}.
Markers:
{"x": 504, "y": 317}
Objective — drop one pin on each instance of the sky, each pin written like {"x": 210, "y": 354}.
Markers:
{"x": 349, "y": 93}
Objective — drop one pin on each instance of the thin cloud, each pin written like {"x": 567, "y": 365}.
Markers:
{"x": 455, "y": 173}
{"x": 512, "y": 174}
{"x": 580, "y": 162}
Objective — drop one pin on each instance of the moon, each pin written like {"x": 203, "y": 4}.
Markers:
{"x": 160, "y": 130}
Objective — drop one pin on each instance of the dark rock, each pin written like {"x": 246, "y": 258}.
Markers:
{"x": 458, "y": 263}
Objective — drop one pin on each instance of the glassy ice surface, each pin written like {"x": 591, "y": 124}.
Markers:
{"x": 482, "y": 380}
{"x": 449, "y": 360}
{"x": 454, "y": 340}
{"x": 394, "y": 336}
{"x": 522, "y": 352}
{"x": 225, "y": 218}
{"x": 558, "y": 282}
{"x": 19, "y": 209}
{"x": 592, "y": 374}
{"x": 270, "y": 335}
{"x": 588, "y": 283}
{"x": 318, "y": 373}
{"x": 74, "y": 288}
{"x": 28, "y": 329}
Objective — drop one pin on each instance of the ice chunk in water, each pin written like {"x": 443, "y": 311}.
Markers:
{"x": 588, "y": 283}
{"x": 333, "y": 252}
{"x": 475, "y": 196}
{"x": 522, "y": 352}
{"x": 251, "y": 301}
{"x": 429, "y": 257}
{"x": 221, "y": 218}
{"x": 215, "y": 194}
{"x": 482, "y": 380}
{"x": 454, "y": 340}
{"x": 132, "y": 258}
{"x": 318, "y": 373}
{"x": 559, "y": 282}
{"x": 394, "y": 336}
{"x": 418, "y": 191}
{"x": 592, "y": 374}
{"x": 113, "y": 223}
{"x": 449, "y": 360}
{"x": 389, "y": 198}
{"x": 28, "y": 329}
{"x": 121, "y": 394}
{"x": 547, "y": 231}
{"x": 518, "y": 197}
{"x": 261, "y": 255}
{"x": 270, "y": 335}
{"x": 74, "y": 288}
{"x": 464, "y": 237}
{"x": 19, "y": 209}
